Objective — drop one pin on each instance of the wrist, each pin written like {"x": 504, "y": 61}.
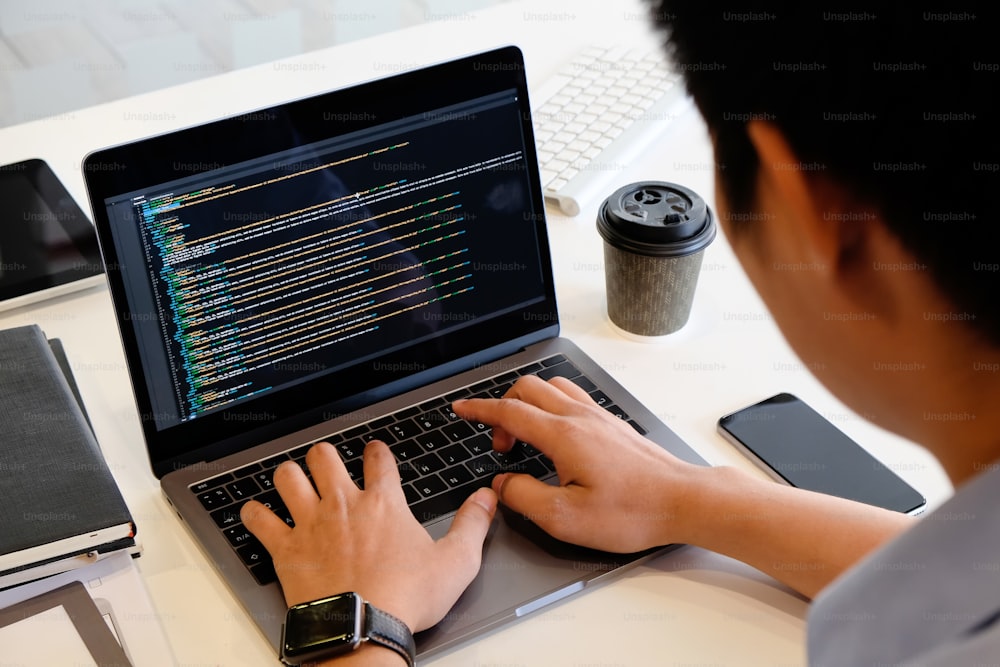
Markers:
{"x": 366, "y": 655}
{"x": 336, "y": 628}
{"x": 700, "y": 502}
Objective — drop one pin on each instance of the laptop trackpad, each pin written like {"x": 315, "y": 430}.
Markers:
{"x": 524, "y": 569}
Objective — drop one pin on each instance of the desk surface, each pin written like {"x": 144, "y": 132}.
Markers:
{"x": 688, "y": 607}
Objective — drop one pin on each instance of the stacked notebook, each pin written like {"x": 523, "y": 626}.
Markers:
{"x": 63, "y": 508}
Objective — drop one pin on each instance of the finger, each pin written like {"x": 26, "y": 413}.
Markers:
{"x": 515, "y": 419}
{"x": 295, "y": 490}
{"x": 328, "y": 471}
{"x": 548, "y": 396}
{"x": 465, "y": 537}
{"x": 542, "y": 503}
{"x": 571, "y": 389}
{"x": 381, "y": 473}
{"x": 264, "y": 524}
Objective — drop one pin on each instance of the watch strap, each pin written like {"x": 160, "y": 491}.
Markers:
{"x": 386, "y": 630}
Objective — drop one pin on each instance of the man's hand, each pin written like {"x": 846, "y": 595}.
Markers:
{"x": 345, "y": 539}
{"x": 618, "y": 491}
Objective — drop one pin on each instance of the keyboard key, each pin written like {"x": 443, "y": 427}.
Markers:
{"x": 529, "y": 369}
{"x": 427, "y": 464}
{"x": 617, "y": 412}
{"x": 507, "y": 377}
{"x": 458, "y": 431}
{"x": 265, "y": 479}
{"x": 381, "y": 422}
{"x": 238, "y": 535}
{"x": 455, "y": 395}
{"x": 411, "y": 494}
{"x": 454, "y": 454}
{"x": 427, "y": 406}
{"x": 456, "y": 476}
{"x": 243, "y": 489}
{"x": 202, "y": 487}
{"x": 639, "y": 429}
{"x": 286, "y": 516}
{"x": 552, "y": 361}
{"x": 433, "y": 440}
{"x": 411, "y": 411}
{"x": 227, "y": 516}
{"x": 253, "y": 553}
{"x": 481, "y": 386}
{"x": 430, "y": 485}
{"x": 407, "y": 473}
{"x": 299, "y": 452}
{"x": 500, "y": 390}
{"x": 565, "y": 369}
{"x": 382, "y": 434}
{"x": 215, "y": 499}
{"x": 431, "y": 420}
{"x": 351, "y": 449}
{"x": 248, "y": 470}
{"x": 274, "y": 461}
{"x": 528, "y": 450}
{"x": 449, "y": 414}
{"x": 356, "y": 470}
{"x": 446, "y": 502}
{"x": 481, "y": 444}
{"x": 404, "y": 429}
{"x": 585, "y": 383}
{"x": 600, "y": 398}
{"x": 408, "y": 449}
{"x": 483, "y": 466}
{"x": 271, "y": 500}
{"x": 533, "y": 467}
{"x": 356, "y": 431}
{"x": 264, "y": 573}
{"x": 508, "y": 460}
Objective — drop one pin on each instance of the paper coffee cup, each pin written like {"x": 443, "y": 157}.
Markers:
{"x": 654, "y": 237}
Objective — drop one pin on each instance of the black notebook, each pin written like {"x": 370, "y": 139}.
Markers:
{"x": 60, "y": 498}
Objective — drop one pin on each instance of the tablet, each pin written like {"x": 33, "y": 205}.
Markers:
{"x": 47, "y": 244}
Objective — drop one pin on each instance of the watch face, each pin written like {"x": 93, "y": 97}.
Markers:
{"x": 322, "y": 628}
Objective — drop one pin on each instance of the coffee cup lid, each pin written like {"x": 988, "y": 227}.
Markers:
{"x": 656, "y": 218}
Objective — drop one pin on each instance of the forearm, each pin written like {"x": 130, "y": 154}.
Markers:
{"x": 802, "y": 539}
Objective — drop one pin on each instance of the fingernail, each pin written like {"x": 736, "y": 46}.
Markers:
{"x": 486, "y": 499}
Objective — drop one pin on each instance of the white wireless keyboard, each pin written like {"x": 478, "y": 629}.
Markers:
{"x": 597, "y": 114}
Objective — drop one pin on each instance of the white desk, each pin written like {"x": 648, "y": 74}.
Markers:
{"x": 689, "y": 607}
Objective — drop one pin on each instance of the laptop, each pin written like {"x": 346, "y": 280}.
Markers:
{"x": 341, "y": 268}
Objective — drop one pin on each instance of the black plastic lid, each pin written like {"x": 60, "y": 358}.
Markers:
{"x": 656, "y": 218}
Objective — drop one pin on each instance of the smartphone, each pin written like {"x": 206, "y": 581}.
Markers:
{"x": 795, "y": 444}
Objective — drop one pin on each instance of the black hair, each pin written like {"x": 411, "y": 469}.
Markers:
{"x": 894, "y": 104}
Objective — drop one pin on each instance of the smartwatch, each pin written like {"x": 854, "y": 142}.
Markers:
{"x": 339, "y": 624}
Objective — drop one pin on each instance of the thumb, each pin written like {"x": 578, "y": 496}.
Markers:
{"x": 542, "y": 503}
{"x": 469, "y": 527}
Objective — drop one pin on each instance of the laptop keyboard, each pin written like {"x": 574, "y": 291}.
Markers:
{"x": 441, "y": 457}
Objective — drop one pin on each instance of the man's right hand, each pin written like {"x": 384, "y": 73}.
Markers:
{"x": 620, "y": 492}
{"x": 617, "y": 490}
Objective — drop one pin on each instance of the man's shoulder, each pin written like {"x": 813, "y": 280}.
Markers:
{"x": 934, "y": 588}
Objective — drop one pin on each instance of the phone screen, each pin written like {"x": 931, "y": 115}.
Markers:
{"x": 796, "y": 444}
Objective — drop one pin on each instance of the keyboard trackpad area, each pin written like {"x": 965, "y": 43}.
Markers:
{"x": 524, "y": 569}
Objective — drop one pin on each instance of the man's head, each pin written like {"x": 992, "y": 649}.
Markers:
{"x": 894, "y": 105}
{"x": 864, "y": 142}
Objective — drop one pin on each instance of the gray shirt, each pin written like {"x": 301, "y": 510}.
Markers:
{"x": 931, "y": 597}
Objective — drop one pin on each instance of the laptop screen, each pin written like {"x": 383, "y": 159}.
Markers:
{"x": 326, "y": 253}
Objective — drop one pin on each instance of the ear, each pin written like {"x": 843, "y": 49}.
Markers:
{"x": 829, "y": 226}
{"x": 825, "y": 223}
